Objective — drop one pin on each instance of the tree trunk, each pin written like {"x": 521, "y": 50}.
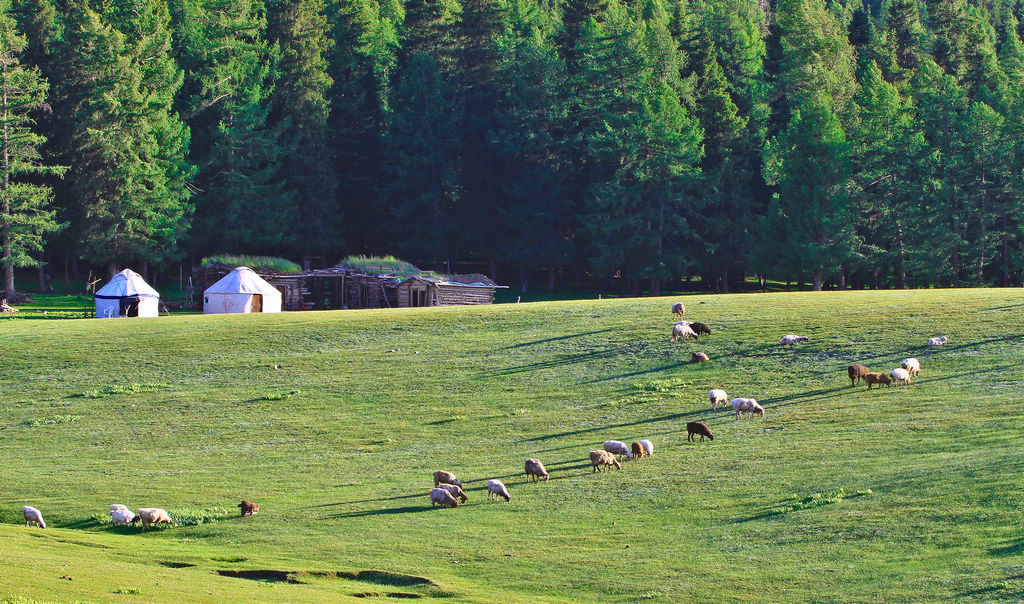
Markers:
{"x": 981, "y": 241}
{"x": 842, "y": 278}
{"x": 725, "y": 281}
{"x": 901, "y": 267}
{"x": 5, "y": 239}
{"x": 76, "y": 269}
{"x": 788, "y": 285}
{"x": 42, "y": 271}
{"x": 818, "y": 273}
{"x": 1004, "y": 279}
{"x": 492, "y": 269}
{"x": 524, "y": 286}
{"x": 307, "y": 261}
{"x": 954, "y": 256}
{"x": 111, "y": 269}
{"x": 655, "y": 287}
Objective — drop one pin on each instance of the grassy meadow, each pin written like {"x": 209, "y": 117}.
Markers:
{"x": 334, "y": 422}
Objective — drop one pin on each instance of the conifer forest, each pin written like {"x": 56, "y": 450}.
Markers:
{"x": 823, "y": 143}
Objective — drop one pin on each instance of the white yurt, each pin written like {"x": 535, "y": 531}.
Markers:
{"x": 127, "y": 295}
{"x": 241, "y": 290}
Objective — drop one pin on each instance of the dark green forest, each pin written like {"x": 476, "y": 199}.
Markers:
{"x": 823, "y": 143}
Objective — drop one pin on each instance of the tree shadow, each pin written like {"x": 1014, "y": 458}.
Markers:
{"x": 1008, "y": 548}
{"x": 557, "y": 338}
{"x": 408, "y": 509}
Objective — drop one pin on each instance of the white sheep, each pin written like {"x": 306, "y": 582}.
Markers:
{"x": 648, "y": 447}
{"x": 717, "y": 397}
{"x": 912, "y": 365}
{"x": 33, "y": 516}
{"x": 495, "y": 489}
{"x": 682, "y": 330}
{"x": 442, "y": 477}
{"x": 791, "y": 339}
{"x": 442, "y": 497}
{"x": 121, "y": 516}
{"x": 154, "y": 516}
{"x": 616, "y": 447}
{"x": 740, "y": 405}
{"x": 455, "y": 490}
{"x": 679, "y": 309}
{"x": 900, "y": 375}
{"x": 939, "y": 341}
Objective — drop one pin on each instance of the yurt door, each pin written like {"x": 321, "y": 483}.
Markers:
{"x": 129, "y": 307}
{"x": 257, "y": 303}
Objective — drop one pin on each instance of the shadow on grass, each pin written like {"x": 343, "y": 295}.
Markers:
{"x": 557, "y": 338}
{"x": 572, "y": 359}
{"x": 1011, "y": 547}
{"x": 408, "y": 509}
{"x": 1001, "y": 590}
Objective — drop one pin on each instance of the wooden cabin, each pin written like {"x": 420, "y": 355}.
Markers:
{"x": 344, "y": 287}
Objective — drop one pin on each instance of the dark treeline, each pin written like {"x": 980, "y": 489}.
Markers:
{"x": 823, "y": 143}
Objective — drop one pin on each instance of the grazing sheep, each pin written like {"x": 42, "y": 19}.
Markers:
{"x": 856, "y": 372}
{"x": 637, "y": 449}
{"x": 602, "y": 459}
{"x": 648, "y": 447}
{"x": 535, "y": 470}
{"x": 700, "y": 329}
{"x": 698, "y": 428}
{"x": 442, "y": 477}
{"x": 154, "y": 516}
{"x": 700, "y": 357}
{"x": 681, "y": 330}
{"x": 616, "y": 447}
{"x": 456, "y": 491}
{"x": 900, "y": 375}
{"x": 33, "y": 516}
{"x": 495, "y": 489}
{"x": 939, "y": 341}
{"x": 249, "y": 508}
{"x": 122, "y": 516}
{"x": 443, "y": 498}
{"x": 717, "y": 396}
{"x": 912, "y": 365}
{"x": 791, "y": 339}
{"x": 739, "y": 405}
{"x": 876, "y": 378}
{"x": 679, "y": 309}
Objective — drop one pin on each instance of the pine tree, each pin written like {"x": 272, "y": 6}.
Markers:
{"x": 242, "y": 203}
{"x": 26, "y": 213}
{"x": 812, "y": 208}
{"x": 301, "y": 105}
{"x": 127, "y": 168}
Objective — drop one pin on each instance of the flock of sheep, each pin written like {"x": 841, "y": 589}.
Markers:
{"x": 448, "y": 489}
{"x": 121, "y": 514}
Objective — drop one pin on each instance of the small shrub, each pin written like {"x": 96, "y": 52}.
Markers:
{"x": 122, "y": 389}
{"x": 53, "y": 420}
{"x": 278, "y": 397}
{"x": 193, "y": 516}
{"x": 130, "y": 591}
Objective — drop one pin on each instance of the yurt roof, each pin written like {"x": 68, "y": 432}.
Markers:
{"x": 127, "y": 284}
{"x": 242, "y": 280}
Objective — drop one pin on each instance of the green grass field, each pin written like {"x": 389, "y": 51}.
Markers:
{"x": 839, "y": 494}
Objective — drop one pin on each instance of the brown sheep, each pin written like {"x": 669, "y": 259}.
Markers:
{"x": 700, "y": 329}
{"x": 249, "y": 508}
{"x": 535, "y": 470}
{"x": 876, "y": 378}
{"x": 443, "y": 498}
{"x": 455, "y": 490}
{"x": 699, "y": 357}
{"x": 698, "y": 428}
{"x": 856, "y": 372}
{"x": 603, "y": 459}
{"x": 638, "y": 450}
{"x": 442, "y": 477}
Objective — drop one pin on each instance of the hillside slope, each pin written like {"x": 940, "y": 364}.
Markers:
{"x": 839, "y": 493}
